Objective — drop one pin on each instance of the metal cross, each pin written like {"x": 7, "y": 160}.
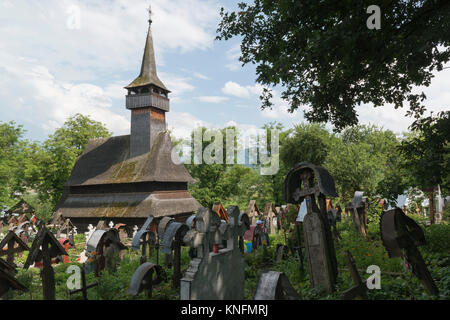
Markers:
{"x": 150, "y": 13}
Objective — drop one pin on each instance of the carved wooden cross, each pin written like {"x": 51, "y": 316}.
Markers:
{"x": 15, "y": 245}
{"x": 51, "y": 248}
{"x": 360, "y": 288}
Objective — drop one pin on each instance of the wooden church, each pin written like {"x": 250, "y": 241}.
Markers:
{"x": 127, "y": 178}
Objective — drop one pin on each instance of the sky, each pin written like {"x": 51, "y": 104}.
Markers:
{"x": 62, "y": 57}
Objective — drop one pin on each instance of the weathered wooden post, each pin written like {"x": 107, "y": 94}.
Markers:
{"x": 172, "y": 239}
{"x": 8, "y": 281}
{"x": 51, "y": 248}
{"x": 358, "y": 213}
{"x": 401, "y": 235}
{"x": 360, "y": 288}
{"x": 312, "y": 183}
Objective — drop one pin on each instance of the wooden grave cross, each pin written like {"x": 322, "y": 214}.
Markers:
{"x": 8, "y": 280}
{"x": 14, "y": 245}
{"x": 360, "y": 288}
{"x": 45, "y": 245}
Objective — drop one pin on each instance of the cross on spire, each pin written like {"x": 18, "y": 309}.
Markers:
{"x": 149, "y": 13}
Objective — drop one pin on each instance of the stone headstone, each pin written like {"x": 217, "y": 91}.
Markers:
{"x": 216, "y": 274}
{"x": 274, "y": 285}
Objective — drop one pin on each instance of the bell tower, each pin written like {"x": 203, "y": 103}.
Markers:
{"x": 148, "y": 101}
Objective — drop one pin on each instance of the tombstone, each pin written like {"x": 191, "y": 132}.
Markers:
{"x": 253, "y": 212}
{"x": 281, "y": 253}
{"x": 144, "y": 278}
{"x": 271, "y": 218}
{"x": 10, "y": 245}
{"x": 401, "y": 236}
{"x": 357, "y": 210}
{"x": 46, "y": 246}
{"x": 143, "y": 238}
{"x": 171, "y": 234}
{"x": 215, "y": 274}
{"x": 274, "y": 285}
{"x": 163, "y": 223}
{"x": 313, "y": 183}
{"x": 105, "y": 247}
{"x": 7, "y": 280}
{"x": 360, "y": 288}
{"x": 124, "y": 231}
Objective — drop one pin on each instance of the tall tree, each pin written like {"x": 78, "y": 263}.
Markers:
{"x": 50, "y": 164}
{"x": 12, "y": 156}
{"x": 324, "y": 55}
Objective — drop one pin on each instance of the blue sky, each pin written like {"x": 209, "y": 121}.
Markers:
{"x": 58, "y": 58}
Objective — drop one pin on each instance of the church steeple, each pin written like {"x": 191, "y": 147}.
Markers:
{"x": 148, "y": 101}
{"x": 148, "y": 75}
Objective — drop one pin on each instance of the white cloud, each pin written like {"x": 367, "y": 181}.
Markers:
{"x": 201, "y": 76}
{"x": 212, "y": 99}
{"x": 50, "y": 101}
{"x": 109, "y": 32}
{"x": 232, "y": 55}
{"x": 235, "y": 89}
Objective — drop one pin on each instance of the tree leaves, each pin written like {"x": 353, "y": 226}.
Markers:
{"x": 323, "y": 54}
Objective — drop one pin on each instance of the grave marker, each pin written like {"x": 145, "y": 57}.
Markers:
{"x": 358, "y": 213}
{"x": 143, "y": 238}
{"x": 401, "y": 236}
{"x": 10, "y": 245}
{"x": 313, "y": 183}
{"x": 215, "y": 275}
{"x": 8, "y": 280}
{"x": 360, "y": 288}
{"x": 51, "y": 248}
{"x": 273, "y": 285}
{"x": 144, "y": 278}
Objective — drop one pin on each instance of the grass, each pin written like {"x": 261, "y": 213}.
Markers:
{"x": 396, "y": 282}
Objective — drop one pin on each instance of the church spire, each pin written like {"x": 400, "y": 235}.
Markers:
{"x": 148, "y": 75}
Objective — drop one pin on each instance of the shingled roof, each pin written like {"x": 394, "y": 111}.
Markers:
{"x": 106, "y": 161}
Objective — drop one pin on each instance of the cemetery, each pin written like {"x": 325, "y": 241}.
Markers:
{"x": 129, "y": 221}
